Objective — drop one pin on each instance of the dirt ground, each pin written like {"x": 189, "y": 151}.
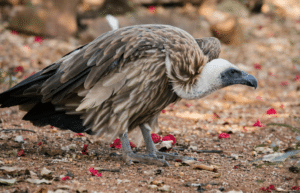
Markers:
{"x": 271, "y": 53}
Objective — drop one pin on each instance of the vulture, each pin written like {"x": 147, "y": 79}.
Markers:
{"x": 121, "y": 81}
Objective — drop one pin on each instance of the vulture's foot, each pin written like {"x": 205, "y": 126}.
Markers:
{"x": 174, "y": 156}
{"x": 151, "y": 159}
{"x": 129, "y": 157}
{"x": 151, "y": 149}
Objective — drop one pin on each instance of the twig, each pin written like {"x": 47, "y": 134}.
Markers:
{"x": 285, "y": 125}
{"x": 208, "y": 151}
{"x": 11, "y": 130}
{"x": 107, "y": 170}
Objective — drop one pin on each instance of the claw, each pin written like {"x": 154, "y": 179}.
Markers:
{"x": 174, "y": 156}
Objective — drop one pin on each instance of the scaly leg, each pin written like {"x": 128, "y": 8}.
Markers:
{"x": 130, "y": 157}
{"x": 151, "y": 149}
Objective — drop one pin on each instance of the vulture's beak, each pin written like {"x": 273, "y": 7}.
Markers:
{"x": 233, "y": 76}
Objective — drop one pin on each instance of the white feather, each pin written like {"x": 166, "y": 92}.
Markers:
{"x": 208, "y": 82}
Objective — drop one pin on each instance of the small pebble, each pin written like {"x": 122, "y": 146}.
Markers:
{"x": 208, "y": 186}
{"x": 269, "y": 141}
{"x": 176, "y": 164}
{"x": 181, "y": 173}
{"x": 164, "y": 188}
{"x": 254, "y": 154}
{"x": 19, "y": 139}
{"x": 152, "y": 186}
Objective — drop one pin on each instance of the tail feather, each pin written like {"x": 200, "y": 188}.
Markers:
{"x": 14, "y": 96}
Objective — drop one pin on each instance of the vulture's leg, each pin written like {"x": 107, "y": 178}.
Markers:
{"x": 130, "y": 157}
{"x": 151, "y": 149}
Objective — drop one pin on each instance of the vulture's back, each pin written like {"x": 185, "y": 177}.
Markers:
{"x": 112, "y": 84}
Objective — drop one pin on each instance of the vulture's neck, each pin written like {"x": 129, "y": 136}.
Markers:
{"x": 202, "y": 88}
{"x": 208, "y": 81}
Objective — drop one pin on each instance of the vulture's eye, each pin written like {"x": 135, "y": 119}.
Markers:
{"x": 234, "y": 73}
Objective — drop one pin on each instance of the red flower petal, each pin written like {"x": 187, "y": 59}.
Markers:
{"x": 257, "y": 66}
{"x": 164, "y": 111}
{"x": 155, "y": 138}
{"x": 172, "y": 138}
{"x": 65, "y": 178}
{"x": 40, "y": 143}
{"x": 284, "y": 83}
{"x": 151, "y": 9}
{"x": 116, "y": 144}
{"x": 20, "y": 152}
{"x": 297, "y": 78}
{"x": 188, "y": 104}
{"x": 166, "y": 138}
{"x": 19, "y": 69}
{"x": 78, "y": 134}
{"x": 224, "y": 135}
{"x": 132, "y": 145}
{"x": 258, "y": 124}
{"x": 95, "y": 172}
{"x": 84, "y": 149}
{"x": 38, "y": 39}
{"x": 271, "y": 111}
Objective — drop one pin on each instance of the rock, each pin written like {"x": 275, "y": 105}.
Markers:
{"x": 164, "y": 188}
{"x": 123, "y": 181}
{"x": 153, "y": 187}
{"x": 233, "y": 7}
{"x": 264, "y": 150}
{"x": 157, "y": 182}
{"x": 223, "y": 25}
{"x": 63, "y": 187}
{"x": 213, "y": 191}
{"x": 197, "y": 28}
{"x": 298, "y": 138}
{"x": 54, "y": 18}
{"x": 228, "y": 29}
{"x": 61, "y": 191}
{"x": 19, "y": 139}
{"x": 51, "y": 151}
{"x": 14, "y": 171}
{"x": 166, "y": 144}
{"x": 159, "y": 171}
{"x": 193, "y": 147}
{"x": 290, "y": 9}
{"x": 69, "y": 147}
{"x": 33, "y": 175}
{"x": 37, "y": 181}
{"x": 81, "y": 190}
{"x": 7, "y": 181}
{"x": 234, "y": 156}
{"x": 234, "y": 191}
{"x": 294, "y": 169}
{"x": 45, "y": 172}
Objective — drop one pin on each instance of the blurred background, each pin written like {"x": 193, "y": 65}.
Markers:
{"x": 35, "y": 33}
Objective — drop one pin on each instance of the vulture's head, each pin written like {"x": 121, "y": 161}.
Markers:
{"x": 216, "y": 74}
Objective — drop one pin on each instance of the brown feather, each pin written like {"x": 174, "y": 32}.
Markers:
{"x": 120, "y": 80}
